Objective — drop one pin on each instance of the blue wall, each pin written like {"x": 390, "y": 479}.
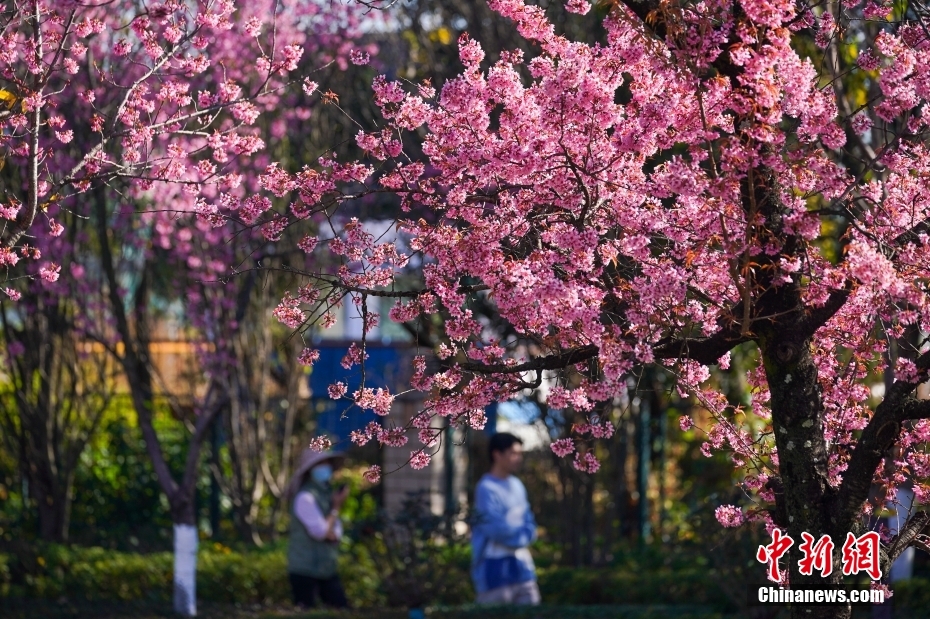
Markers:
{"x": 386, "y": 366}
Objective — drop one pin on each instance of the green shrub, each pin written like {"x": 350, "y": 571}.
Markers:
{"x": 912, "y": 594}
{"x": 581, "y": 586}
{"x": 415, "y": 557}
{"x": 97, "y": 574}
{"x": 225, "y": 576}
{"x": 575, "y": 612}
{"x": 232, "y": 577}
{"x": 20, "y": 609}
{"x": 91, "y": 574}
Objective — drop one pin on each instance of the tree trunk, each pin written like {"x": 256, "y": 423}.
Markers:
{"x": 49, "y": 515}
{"x": 180, "y": 496}
{"x": 804, "y": 499}
{"x": 644, "y": 459}
{"x": 805, "y": 502}
{"x": 821, "y": 612}
{"x": 185, "y": 555}
{"x": 622, "y": 497}
{"x": 588, "y": 522}
{"x": 136, "y": 363}
{"x": 180, "y": 500}
{"x": 51, "y": 415}
{"x": 53, "y": 505}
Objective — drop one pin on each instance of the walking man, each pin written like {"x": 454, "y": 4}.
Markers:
{"x": 504, "y": 527}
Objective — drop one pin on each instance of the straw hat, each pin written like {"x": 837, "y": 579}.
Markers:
{"x": 309, "y": 459}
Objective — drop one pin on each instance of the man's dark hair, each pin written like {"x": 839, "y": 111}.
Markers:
{"x": 502, "y": 441}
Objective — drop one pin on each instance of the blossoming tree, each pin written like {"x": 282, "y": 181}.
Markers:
{"x": 721, "y": 174}
{"x": 109, "y": 107}
{"x": 54, "y": 395}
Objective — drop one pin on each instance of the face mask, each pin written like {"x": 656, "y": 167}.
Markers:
{"x": 322, "y": 473}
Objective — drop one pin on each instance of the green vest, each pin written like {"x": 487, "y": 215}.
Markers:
{"x": 307, "y": 556}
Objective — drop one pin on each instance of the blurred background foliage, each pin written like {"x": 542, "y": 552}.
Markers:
{"x": 640, "y": 530}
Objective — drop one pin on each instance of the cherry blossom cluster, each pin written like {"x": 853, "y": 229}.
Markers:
{"x": 162, "y": 99}
{"x": 604, "y": 229}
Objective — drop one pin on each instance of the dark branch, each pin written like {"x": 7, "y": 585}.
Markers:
{"x": 915, "y": 526}
{"x": 779, "y": 511}
{"x": 877, "y": 438}
{"x": 912, "y": 234}
{"x": 704, "y": 350}
{"x": 549, "y": 362}
{"x": 642, "y": 9}
{"x": 818, "y": 316}
{"x": 912, "y": 408}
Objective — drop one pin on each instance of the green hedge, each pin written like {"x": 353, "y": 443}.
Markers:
{"x": 547, "y": 611}
{"x": 127, "y": 610}
{"x": 912, "y": 594}
{"x": 563, "y": 585}
{"x": 92, "y": 574}
{"x": 244, "y": 581}
{"x": 259, "y": 577}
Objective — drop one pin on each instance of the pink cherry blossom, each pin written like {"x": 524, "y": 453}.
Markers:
{"x": 309, "y": 356}
{"x": 373, "y": 474}
{"x": 50, "y": 272}
{"x": 337, "y": 390}
{"x": 320, "y": 443}
{"x": 562, "y": 447}
{"x": 729, "y": 515}
{"x": 419, "y": 459}
{"x": 586, "y": 463}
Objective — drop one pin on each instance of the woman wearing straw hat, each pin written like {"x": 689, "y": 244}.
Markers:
{"x": 315, "y": 531}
